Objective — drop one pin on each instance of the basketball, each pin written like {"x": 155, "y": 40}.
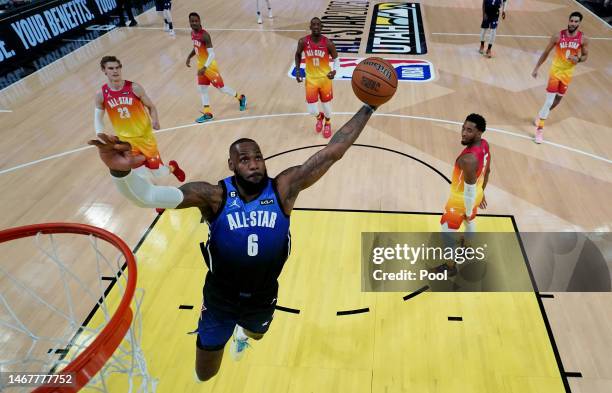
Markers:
{"x": 374, "y": 81}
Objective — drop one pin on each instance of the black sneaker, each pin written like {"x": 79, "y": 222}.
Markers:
{"x": 133, "y": 23}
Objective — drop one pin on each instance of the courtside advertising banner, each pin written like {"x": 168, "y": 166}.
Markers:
{"x": 27, "y": 32}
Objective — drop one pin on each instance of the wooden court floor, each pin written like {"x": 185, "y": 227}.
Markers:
{"x": 48, "y": 174}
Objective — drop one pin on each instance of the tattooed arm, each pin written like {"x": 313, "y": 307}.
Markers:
{"x": 295, "y": 179}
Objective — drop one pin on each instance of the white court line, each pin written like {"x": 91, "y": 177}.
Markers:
{"x": 27, "y": 164}
{"x": 219, "y": 29}
{"x": 5, "y": 111}
{"x": 592, "y": 13}
{"x": 518, "y": 36}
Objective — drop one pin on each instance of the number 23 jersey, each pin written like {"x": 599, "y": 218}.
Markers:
{"x": 248, "y": 242}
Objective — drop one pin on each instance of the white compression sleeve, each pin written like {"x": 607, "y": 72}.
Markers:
{"x": 336, "y": 64}
{"x": 469, "y": 198}
{"x": 211, "y": 57}
{"x": 145, "y": 194}
{"x": 99, "y": 120}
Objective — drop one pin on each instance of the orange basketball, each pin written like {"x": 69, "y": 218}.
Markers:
{"x": 374, "y": 81}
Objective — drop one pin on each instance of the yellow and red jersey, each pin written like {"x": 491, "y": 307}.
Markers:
{"x": 316, "y": 57}
{"x": 200, "y": 49}
{"x": 130, "y": 119}
{"x": 456, "y": 200}
{"x": 562, "y": 68}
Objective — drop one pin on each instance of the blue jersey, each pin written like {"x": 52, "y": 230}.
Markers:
{"x": 492, "y": 7}
{"x": 248, "y": 242}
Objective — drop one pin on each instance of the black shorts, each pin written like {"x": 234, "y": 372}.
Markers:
{"x": 223, "y": 309}
{"x": 160, "y": 5}
{"x": 490, "y": 21}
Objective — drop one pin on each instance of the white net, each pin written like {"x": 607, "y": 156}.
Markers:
{"x": 57, "y": 293}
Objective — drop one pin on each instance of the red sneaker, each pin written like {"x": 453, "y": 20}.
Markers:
{"x": 319, "y": 126}
{"x": 177, "y": 171}
{"x": 327, "y": 130}
{"x": 159, "y": 210}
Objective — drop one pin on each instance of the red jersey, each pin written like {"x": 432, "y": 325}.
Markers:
{"x": 567, "y": 47}
{"x": 126, "y": 112}
{"x": 317, "y": 57}
{"x": 457, "y": 183}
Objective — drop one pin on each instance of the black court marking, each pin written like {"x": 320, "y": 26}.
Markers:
{"x": 351, "y": 312}
{"x": 185, "y": 307}
{"x": 107, "y": 278}
{"x": 287, "y": 309}
{"x": 546, "y": 295}
{"x": 455, "y": 318}
{"x": 62, "y": 352}
{"x": 415, "y": 293}
{"x": 551, "y": 337}
{"x": 101, "y": 300}
{"x": 571, "y": 374}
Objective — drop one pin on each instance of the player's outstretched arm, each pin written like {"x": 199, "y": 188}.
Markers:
{"x": 99, "y": 113}
{"x": 295, "y": 179}
{"x": 117, "y": 156}
{"x": 551, "y": 44}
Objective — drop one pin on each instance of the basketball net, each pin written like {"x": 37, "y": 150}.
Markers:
{"x": 84, "y": 300}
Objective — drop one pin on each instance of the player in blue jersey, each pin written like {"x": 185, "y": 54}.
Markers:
{"x": 490, "y": 18}
{"x": 249, "y": 240}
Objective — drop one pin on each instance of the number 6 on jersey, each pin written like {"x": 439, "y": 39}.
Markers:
{"x": 252, "y": 247}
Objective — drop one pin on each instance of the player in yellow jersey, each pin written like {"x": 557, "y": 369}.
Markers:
{"x": 317, "y": 51}
{"x": 208, "y": 71}
{"x": 470, "y": 177}
{"x": 125, "y": 102}
{"x": 571, "y": 48}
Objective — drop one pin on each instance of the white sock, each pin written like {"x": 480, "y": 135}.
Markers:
{"x": 240, "y": 334}
{"x": 204, "y": 95}
{"x": 545, "y": 111}
{"x": 312, "y": 109}
{"x": 470, "y": 226}
{"x": 326, "y": 109}
{"x": 228, "y": 90}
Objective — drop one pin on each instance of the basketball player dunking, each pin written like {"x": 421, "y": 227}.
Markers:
{"x": 249, "y": 240}
{"x": 124, "y": 102}
{"x": 208, "y": 72}
{"x": 571, "y": 48}
{"x": 317, "y": 50}
{"x": 470, "y": 177}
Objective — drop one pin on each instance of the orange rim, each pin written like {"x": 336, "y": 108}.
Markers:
{"x": 87, "y": 364}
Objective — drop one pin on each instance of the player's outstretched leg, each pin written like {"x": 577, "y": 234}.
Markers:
{"x": 242, "y": 100}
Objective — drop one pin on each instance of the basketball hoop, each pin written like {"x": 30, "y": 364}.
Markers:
{"x": 89, "y": 354}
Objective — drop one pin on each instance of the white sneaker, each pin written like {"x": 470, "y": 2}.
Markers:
{"x": 539, "y": 136}
{"x": 172, "y": 33}
{"x": 259, "y": 20}
{"x": 238, "y": 346}
{"x": 166, "y": 27}
{"x": 270, "y": 13}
